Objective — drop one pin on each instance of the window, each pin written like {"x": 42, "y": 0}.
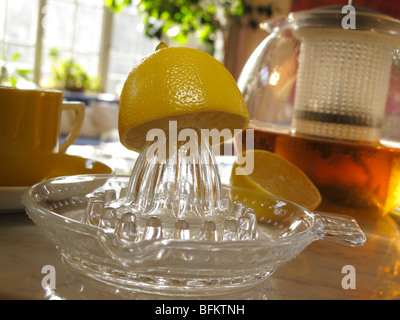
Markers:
{"x": 128, "y": 45}
{"x": 74, "y": 27}
{"x": 18, "y": 32}
{"x": 106, "y": 45}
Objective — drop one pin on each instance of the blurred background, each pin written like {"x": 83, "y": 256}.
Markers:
{"x": 87, "y": 47}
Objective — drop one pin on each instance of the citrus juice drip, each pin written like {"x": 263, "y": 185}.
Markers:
{"x": 350, "y": 175}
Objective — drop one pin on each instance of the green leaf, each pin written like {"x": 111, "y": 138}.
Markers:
{"x": 13, "y": 81}
{"x": 23, "y": 72}
{"x": 15, "y": 57}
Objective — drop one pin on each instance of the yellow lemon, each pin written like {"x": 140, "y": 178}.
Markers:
{"x": 273, "y": 175}
{"x": 178, "y": 84}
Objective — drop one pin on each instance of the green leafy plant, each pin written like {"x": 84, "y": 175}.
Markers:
{"x": 10, "y": 74}
{"x": 184, "y": 17}
{"x": 69, "y": 75}
{"x": 180, "y": 18}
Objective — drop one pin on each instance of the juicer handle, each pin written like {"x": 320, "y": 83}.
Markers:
{"x": 342, "y": 229}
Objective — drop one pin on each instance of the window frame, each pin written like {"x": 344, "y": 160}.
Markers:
{"x": 38, "y": 46}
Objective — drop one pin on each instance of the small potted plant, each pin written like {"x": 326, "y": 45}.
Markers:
{"x": 69, "y": 75}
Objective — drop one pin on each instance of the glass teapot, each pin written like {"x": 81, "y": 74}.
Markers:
{"x": 326, "y": 96}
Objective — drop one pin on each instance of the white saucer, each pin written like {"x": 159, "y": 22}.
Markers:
{"x": 10, "y": 199}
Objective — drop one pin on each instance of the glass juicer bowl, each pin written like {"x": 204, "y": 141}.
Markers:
{"x": 173, "y": 229}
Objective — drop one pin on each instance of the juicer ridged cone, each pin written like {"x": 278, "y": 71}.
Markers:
{"x": 175, "y": 195}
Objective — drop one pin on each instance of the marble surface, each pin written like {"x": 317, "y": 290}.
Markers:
{"x": 315, "y": 274}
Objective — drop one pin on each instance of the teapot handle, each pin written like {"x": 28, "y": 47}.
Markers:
{"x": 275, "y": 22}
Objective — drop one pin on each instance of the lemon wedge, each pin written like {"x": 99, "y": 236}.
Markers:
{"x": 273, "y": 175}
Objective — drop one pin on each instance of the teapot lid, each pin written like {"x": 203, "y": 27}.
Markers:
{"x": 332, "y": 16}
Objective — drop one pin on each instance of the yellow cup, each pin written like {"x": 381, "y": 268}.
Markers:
{"x": 30, "y": 131}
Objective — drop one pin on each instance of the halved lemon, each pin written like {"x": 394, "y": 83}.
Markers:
{"x": 178, "y": 84}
